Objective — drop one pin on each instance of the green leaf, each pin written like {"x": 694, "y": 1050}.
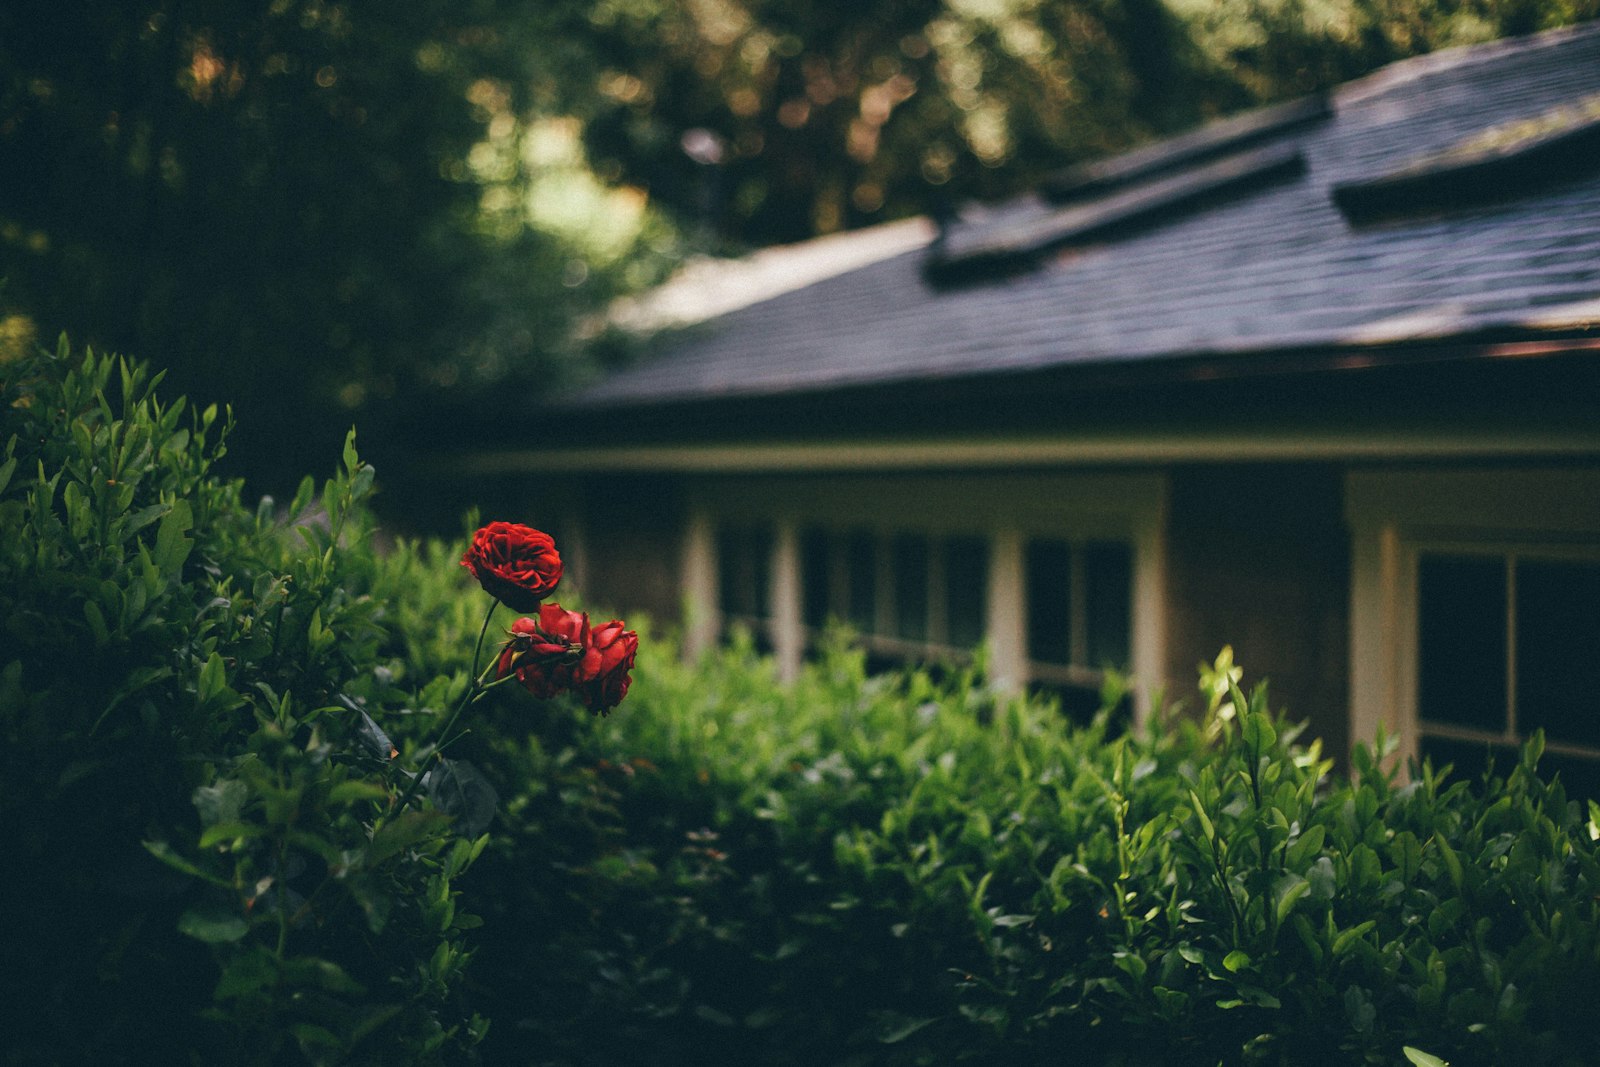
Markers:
{"x": 1205, "y": 820}
{"x": 212, "y": 925}
{"x": 1307, "y": 845}
{"x": 302, "y": 497}
{"x": 213, "y": 679}
{"x": 229, "y": 831}
{"x": 1236, "y": 960}
{"x": 354, "y": 790}
{"x": 1406, "y": 851}
{"x": 894, "y": 1027}
{"x": 458, "y": 789}
{"x": 97, "y": 623}
{"x": 221, "y": 801}
{"x": 143, "y": 517}
{"x": 402, "y": 832}
{"x": 1288, "y": 889}
{"x": 163, "y": 852}
{"x": 311, "y": 1037}
{"x": 1364, "y": 868}
{"x": 1423, "y": 1059}
{"x": 1257, "y": 733}
{"x": 351, "y": 460}
{"x": 1452, "y": 862}
{"x": 247, "y": 974}
{"x": 172, "y": 547}
{"x": 323, "y": 974}
{"x": 1342, "y": 943}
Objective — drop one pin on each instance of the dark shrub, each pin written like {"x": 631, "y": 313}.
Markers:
{"x": 203, "y": 863}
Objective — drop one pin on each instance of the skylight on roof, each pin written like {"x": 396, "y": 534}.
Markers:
{"x": 1499, "y": 163}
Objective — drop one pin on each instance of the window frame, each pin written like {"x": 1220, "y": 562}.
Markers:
{"x": 883, "y": 638}
{"x": 1076, "y": 670}
{"x": 1510, "y": 551}
{"x": 1394, "y": 514}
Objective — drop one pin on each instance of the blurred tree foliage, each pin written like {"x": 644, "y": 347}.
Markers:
{"x": 314, "y": 210}
{"x": 336, "y": 211}
{"x": 815, "y": 116}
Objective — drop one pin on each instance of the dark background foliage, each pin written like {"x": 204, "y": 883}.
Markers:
{"x": 275, "y": 200}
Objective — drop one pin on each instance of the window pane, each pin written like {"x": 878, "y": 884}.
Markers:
{"x": 1108, "y": 590}
{"x": 1558, "y": 649}
{"x": 910, "y": 556}
{"x": 1049, "y": 578}
{"x": 1461, "y": 640}
{"x": 861, "y": 557}
{"x": 744, "y": 559}
{"x": 966, "y": 590}
{"x": 816, "y": 567}
{"x": 729, "y": 586}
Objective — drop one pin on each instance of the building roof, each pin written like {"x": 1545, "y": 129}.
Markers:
{"x": 1235, "y": 243}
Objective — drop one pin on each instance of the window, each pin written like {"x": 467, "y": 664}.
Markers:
{"x": 1079, "y": 616}
{"x": 1508, "y": 642}
{"x": 744, "y": 578}
{"x": 909, "y": 595}
{"x": 930, "y": 566}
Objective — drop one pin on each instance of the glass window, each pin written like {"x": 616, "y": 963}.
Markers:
{"x": 816, "y": 577}
{"x": 1509, "y": 643}
{"x": 1049, "y": 592}
{"x": 1461, "y": 641}
{"x": 966, "y": 590}
{"x": 1080, "y": 617}
{"x": 909, "y": 556}
{"x": 1558, "y": 649}
{"x": 861, "y": 558}
{"x": 1108, "y": 603}
{"x": 744, "y": 569}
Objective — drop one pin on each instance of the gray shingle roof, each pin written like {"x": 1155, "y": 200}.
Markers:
{"x": 1272, "y": 268}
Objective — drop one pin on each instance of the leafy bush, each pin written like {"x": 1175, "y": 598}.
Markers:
{"x": 207, "y": 713}
{"x": 190, "y": 699}
{"x": 894, "y": 871}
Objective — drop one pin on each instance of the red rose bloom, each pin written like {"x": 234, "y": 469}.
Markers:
{"x": 560, "y": 651}
{"x": 601, "y": 673}
{"x": 515, "y": 564}
{"x": 543, "y": 652}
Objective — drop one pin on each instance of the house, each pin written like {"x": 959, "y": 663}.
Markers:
{"x": 1321, "y": 381}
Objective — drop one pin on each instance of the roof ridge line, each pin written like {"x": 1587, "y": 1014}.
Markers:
{"x": 1401, "y": 71}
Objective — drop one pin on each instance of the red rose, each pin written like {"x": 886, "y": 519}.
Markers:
{"x": 517, "y": 565}
{"x": 560, "y": 651}
{"x": 543, "y": 652}
{"x": 601, "y": 674}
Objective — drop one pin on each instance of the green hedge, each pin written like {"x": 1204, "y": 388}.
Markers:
{"x": 893, "y": 870}
{"x": 197, "y": 704}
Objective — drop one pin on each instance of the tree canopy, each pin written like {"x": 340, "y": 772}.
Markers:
{"x": 308, "y": 208}
{"x": 812, "y": 117}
